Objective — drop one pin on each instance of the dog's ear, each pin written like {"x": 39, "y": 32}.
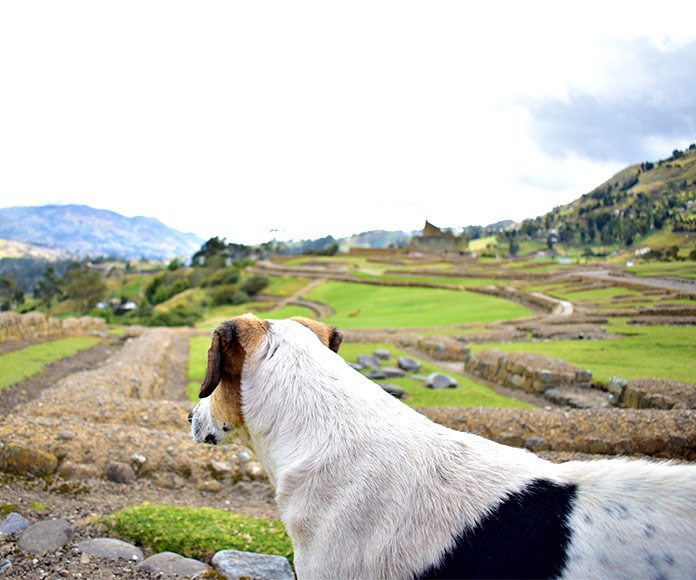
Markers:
{"x": 329, "y": 336}
{"x": 230, "y": 342}
{"x": 212, "y": 371}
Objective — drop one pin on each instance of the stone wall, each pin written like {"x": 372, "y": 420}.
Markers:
{"x": 651, "y": 394}
{"x": 35, "y": 325}
{"x": 657, "y": 433}
{"x": 533, "y": 373}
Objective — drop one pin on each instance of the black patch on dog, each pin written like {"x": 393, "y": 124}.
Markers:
{"x": 526, "y": 536}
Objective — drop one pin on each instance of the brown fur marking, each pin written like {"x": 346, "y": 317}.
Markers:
{"x": 328, "y": 335}
{"x": 230, "y": 342}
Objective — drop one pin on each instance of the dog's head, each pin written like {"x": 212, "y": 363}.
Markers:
{"x": 218, "y": 417}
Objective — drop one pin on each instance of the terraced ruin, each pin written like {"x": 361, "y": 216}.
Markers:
{"x": 115, "y": 432}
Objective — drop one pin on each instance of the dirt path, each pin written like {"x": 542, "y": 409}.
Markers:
{"x": 319, "y": 309}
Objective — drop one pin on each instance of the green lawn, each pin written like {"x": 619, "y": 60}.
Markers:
{"x": 285, "y": 285}
{"x": 470, "y": 282}
{"x": 27, "y": 362}
{"x": 684, "y": 269}
{"x": 467, "y": 394}
{"x": 369, "y": 306}
{"x": 667, "y": 352}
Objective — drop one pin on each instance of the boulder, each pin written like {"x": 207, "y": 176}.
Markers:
{"x": 45, "y": 536}
{"x": 408, "y": 364}
{"x": 110, "y": 548}
{"x": 440, "y": 381}
{"x": 236, "y": 565}
{"x": 170, "y": 564}
{"x": 393, "y": 390}
{"x": 368, "y": 361}
{"x": 25, "y": 460}
{"x": 382, "y": 354}
{"x": 13, "y": 523}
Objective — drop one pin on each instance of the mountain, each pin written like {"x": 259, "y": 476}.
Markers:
{"x": 81, "y": 230}
{"x": 629, "y": 208}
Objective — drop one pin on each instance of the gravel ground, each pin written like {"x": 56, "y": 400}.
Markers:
{"x": 83, "y": 501}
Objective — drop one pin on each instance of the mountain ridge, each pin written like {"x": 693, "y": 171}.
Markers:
{"x": 87, "y": 231}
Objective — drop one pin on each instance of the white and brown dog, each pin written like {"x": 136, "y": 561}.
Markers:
{"x": 369, "y": 488}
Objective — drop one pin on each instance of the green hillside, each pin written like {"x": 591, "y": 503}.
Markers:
{"x": 647, "y": 204}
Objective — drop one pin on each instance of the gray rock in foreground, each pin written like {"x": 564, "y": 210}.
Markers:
{"x": 110, "y": 548}
{"x": 45, "y": 536}
{"x": 235, "y": 565}
{"x": 171, "y": 564}
{"x": 13, "y": 523}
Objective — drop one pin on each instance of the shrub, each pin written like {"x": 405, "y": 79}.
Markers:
{"x": 254, "y": 285}
{"x": 180, "y": 315}
{"x": 224, "y": 276}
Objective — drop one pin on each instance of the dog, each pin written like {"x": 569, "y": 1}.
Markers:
{"x": 369, "y": 488}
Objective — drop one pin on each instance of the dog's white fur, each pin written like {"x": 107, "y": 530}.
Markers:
{"x": 369, "y": 488}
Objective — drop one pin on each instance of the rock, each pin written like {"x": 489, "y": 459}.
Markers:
{"x": 393, "y": 373}
{"x": 168, "y": 480}
{"x": 393, "y": 390}
{"x": 440, "y": 381}
{"x": 24, "y": 460}
{"x": 119, "y": 472}
{"x": 13, "y": 523}
{"x": 210, "y": 485}
{"x": 236, "y": 565}
{"x": 70, "y": 470}
{"x": 5, "y": 566}
{"x": 254, "y": 470}
{"x": 110, "y": 548}
{"x": 382, "y": 354}
{"x": 171, "y": 564}
{"x": 536, "y": 443}
{"x": 45, "y": 536}
{"x": 220, "y": 469}
{"x": 408, "y": 364}
{"x": 356, "y": 366}
{"x": 368, "y": 361}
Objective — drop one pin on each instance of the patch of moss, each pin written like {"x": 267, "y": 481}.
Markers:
{"x": 197, "y": 532}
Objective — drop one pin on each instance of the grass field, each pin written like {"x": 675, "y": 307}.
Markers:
{"x": 367, "y": 306}
{"x": 667, "y": 352}
{"x": 684, "y": 269}
{"x": 27, "y": 362}
{"x": 468, "y": 394}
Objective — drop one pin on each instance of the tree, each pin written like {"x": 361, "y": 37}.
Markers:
{"x": 11, "y": 295}
{"x": 214, "y": 246}
{"x": 49, "y": 286}
{"x": 84, "y": 285}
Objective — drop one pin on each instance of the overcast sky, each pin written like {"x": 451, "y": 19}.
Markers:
{"x": 254, "y": 120}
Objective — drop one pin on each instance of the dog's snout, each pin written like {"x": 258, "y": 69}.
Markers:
{"x": 210, "y": 438}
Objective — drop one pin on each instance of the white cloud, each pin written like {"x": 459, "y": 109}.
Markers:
{"x": 234, "y": 119}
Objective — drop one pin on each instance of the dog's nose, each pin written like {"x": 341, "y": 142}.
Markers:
{"x": 210, "y": 438}
{"x": 190, "y": 416}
